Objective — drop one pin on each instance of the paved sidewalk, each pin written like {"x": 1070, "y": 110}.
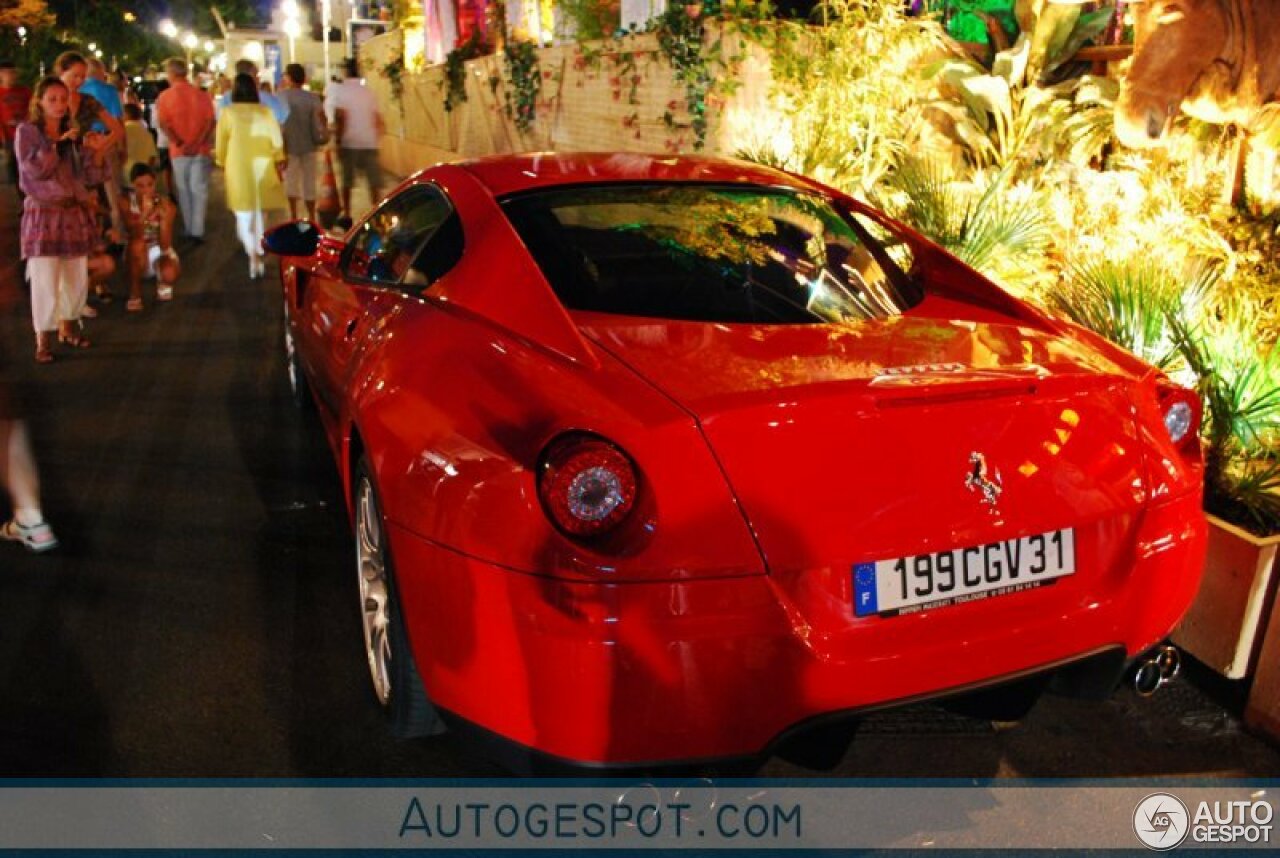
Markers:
{"x": 10, "y": 215}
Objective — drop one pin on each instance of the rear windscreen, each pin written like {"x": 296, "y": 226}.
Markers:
{"x": 711, "y": 253}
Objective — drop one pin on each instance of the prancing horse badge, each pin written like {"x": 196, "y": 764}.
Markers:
{"x": 984, "y": 480}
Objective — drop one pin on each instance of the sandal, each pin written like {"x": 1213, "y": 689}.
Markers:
{"x": 134, "y": 305}
{"x": 164, "y": 292}
{"x": 87, "y": 312}
{"x": 76, "y": 341}
{"x": 37, "y": 538}
{"x": 44, "y": 352}
{"x": 102, "y": 293}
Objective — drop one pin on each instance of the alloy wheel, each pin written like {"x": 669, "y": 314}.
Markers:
{"x": 375, "y": 610}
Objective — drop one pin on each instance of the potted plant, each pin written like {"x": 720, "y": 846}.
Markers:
{"x": 1174, "y": 322}
{"x": 1239, "y": 382}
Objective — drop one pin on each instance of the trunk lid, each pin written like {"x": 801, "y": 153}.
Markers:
{"x": 847, "y": 445}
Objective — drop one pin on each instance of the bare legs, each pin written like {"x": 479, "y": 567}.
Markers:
{"x": 167, "y": 269}
{"x": 249, "y": 229}
{"x": 19, "y": 477}
{"x": 18, "y": 472}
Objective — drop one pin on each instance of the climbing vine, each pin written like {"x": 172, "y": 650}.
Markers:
{"x": 524, "y": 81}
{"x": 679, "y": 32}
{"x": 393, "y": 71}
{"x": 455, "y": 68}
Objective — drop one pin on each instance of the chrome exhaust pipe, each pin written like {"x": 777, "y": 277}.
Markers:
{"x": 1157, "y": 669}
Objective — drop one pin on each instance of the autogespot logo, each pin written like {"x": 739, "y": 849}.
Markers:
{"x": 1161, "y": 821}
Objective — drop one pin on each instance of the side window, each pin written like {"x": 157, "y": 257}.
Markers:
{"x": 387, "y": 242}
{"x": 438, "y": 256}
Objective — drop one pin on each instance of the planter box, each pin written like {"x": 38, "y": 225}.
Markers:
{"x": 1262, "y": 712}
{"x": 1224, "y": 627}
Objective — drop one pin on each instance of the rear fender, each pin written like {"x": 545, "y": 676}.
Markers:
{"x": 454, "y": 414}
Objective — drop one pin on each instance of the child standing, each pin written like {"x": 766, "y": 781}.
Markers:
{"x": 139, "y": 145}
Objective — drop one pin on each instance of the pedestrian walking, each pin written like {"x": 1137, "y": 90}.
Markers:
{"x": 251, "y": 150}
{"x": 57, "y": 163}
{"x": 186, "y": 116}
{"x": 18, "y": 474}
{"x": 278, "y": 108}
{"x": 305, "y": 131}
{"x": 358, "y": 129}
{"x": 15, "y": 103}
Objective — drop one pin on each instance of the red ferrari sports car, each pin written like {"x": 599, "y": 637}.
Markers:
{"x": 660, "y": 460}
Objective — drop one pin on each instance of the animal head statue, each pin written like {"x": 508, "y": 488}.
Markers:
{"x": 1189, "y": 55}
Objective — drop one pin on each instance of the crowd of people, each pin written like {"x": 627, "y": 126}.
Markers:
{"x": 102, "y": 189}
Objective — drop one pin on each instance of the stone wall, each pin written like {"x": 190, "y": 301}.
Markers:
{"x": 604, "y": 96}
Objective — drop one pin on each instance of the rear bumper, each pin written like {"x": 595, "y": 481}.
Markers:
{"x": 686, "y": 670}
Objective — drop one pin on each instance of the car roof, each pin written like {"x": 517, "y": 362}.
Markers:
{"x": 508, "y": 174}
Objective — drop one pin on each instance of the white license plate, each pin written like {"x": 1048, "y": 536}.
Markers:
{"x": 906, "y": 584}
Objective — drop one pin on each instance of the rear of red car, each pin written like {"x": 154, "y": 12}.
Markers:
{"x": 945, "y": 489}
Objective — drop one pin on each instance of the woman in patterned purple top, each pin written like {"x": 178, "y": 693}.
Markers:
{"x": 56, "y": 163}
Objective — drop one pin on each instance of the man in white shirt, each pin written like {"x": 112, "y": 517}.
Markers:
{"x": 357, "y": 128}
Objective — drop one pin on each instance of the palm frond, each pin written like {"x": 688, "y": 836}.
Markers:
{"x": 1247, "y": 492}
{"x": 1136, "y": 304}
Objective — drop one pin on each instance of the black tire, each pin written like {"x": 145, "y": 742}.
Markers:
{"x": 396, "y": 682}
{"x": 299, "y": 390}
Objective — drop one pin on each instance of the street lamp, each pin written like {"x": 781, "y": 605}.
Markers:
{"x": 168, "y": 29}
{"x": 292, "y": 29}
{"x": 189, "y": 41}
{"x": 324, "y": 35}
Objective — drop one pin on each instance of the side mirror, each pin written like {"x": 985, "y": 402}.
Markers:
{"x": 297, "y": 238}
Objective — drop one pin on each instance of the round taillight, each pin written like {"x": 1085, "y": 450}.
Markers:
{"x": 1178, "y": 419}
{"x": 586, "y": 485}
{"x": 1181, "y": 410}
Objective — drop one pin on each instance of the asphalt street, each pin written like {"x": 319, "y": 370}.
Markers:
{"x": 201, "y": 617}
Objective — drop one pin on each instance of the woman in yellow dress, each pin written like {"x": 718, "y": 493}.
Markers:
{"x": 251, "y": 151}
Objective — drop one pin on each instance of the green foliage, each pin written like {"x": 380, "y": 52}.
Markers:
{"x": 455, "y": 68}
{"x": 847, "y": 91}
{"x": 1059, "y": 31}
{"x": 1133, "y": 303}
{"x": 1240, "y": 388}
{"x": 393, "y": 70}
{"x": 592, "y": 19}
{"x": 1087, "y": 130}
{"x": 1256, "y": 274}
{"x": 680, "y": 38}
{"x": 1000, "y": 120}
{"x": 524, "y": 82}
{"x": 993, "y": 230}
